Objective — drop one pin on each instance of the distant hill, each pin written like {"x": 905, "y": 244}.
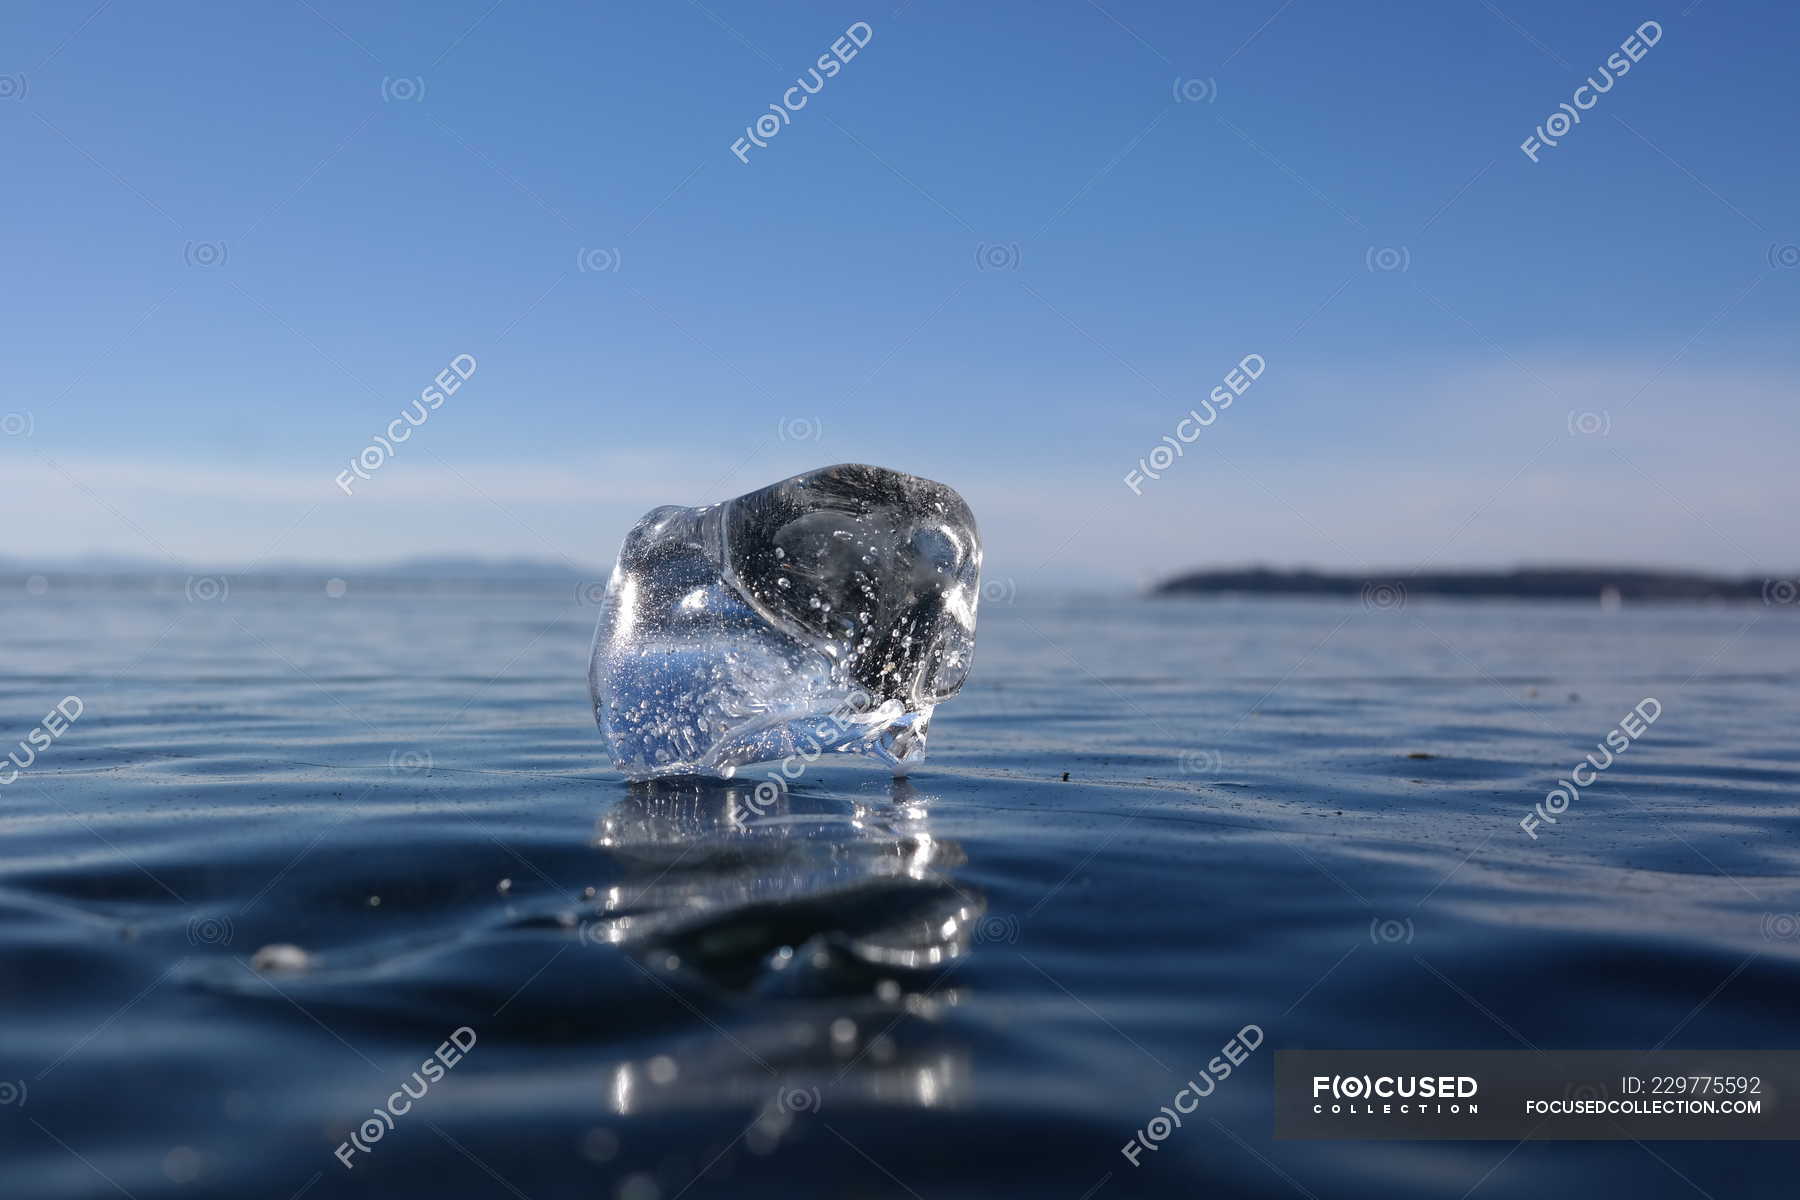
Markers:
{"x": 434, "y": 574}
{"x": 445, "y": 567}
{"x": 1525, "y": 583}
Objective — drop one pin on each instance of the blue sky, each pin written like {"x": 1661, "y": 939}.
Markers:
{"x": 995, "y": 248}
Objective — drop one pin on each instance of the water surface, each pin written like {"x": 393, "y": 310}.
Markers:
{"x": 978, "y": 982}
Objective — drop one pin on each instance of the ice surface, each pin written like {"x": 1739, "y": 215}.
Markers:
{"x": 827, "y": 613}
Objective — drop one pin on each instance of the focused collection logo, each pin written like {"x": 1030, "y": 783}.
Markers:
{"x": 1394, "y": 1095}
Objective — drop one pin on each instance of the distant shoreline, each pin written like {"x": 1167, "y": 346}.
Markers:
{"x": 1603, "y": 584}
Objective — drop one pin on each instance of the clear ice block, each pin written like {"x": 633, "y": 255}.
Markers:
{"x": 828, "y": 613}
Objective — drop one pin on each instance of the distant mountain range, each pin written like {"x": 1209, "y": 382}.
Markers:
{"x": 465, "y": 572}
{"x": 1603, "y": 584}
{"x": 1525, "y": 583}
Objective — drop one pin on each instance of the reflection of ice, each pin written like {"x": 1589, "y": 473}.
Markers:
{"x": 838, "y": 915}
{"x": 922, "y": 1081}
{"x": 812, "y": 883}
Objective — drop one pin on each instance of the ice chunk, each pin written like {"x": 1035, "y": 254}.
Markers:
{"x": 827, "y": 613}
